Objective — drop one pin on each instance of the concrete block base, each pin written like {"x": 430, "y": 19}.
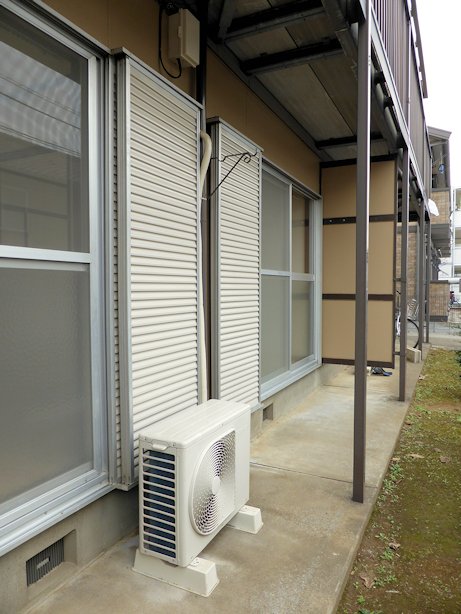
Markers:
{"x": 199, "y": 577}
{"x": 413, "y": 355}
{"x": 248, "y": 519}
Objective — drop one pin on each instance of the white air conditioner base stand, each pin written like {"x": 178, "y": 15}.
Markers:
{"x": 200, "y": 577}
{"x": 248, "y": 519}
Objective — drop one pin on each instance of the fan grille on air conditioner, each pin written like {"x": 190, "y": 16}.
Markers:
{"x": 213, "y": 490}
{"x": 159, "y": 502}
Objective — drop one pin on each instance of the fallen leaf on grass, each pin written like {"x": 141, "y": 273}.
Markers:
{"x": 368, "y": 582}
{"x": 444, "y": 459}
{"x": 412, "y": 455}
{"x": 394, "y": 545}
{"x": 395, "y": 459}
{"x": 409, "y": 422}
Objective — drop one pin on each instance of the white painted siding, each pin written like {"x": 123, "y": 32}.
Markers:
{"x": 237, "y": 275}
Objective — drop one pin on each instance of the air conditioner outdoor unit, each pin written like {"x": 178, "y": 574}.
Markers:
{"x": 193, "y": 478}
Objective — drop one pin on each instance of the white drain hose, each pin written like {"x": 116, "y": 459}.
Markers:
{"x": 202, "y": 375}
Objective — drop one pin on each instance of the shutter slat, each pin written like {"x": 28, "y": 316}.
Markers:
{"x": 238, "y": 250}
{"x": 163, "y": 251}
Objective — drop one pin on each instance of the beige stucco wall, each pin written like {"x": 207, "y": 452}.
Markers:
{"x": 339, "y": 197}
{"x": 339, "y": 259}
{"x": 339, "y": 330}
{"x": 134, "y": 26}
{"x": 115, "y": 23}
{"x": 339, "y": 192}
{"x": 229, "y": 98}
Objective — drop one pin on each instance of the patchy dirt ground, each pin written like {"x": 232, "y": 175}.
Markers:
{"x": 409, "y": 561}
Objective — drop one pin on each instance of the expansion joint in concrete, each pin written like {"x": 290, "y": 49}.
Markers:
{"x": 313, "y": 475}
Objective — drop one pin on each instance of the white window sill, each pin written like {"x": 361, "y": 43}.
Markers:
{"x": 45, "y": 519}
{"x": 280, "y": 382}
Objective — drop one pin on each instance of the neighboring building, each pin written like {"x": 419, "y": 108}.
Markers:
{"x": 102, "y": 216}
{"x": 442, "y": 229}
{"x": 457, "y": 242}
{"x": 442, "y": 195}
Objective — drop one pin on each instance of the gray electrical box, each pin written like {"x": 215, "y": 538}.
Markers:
{"x": 184, "y": 38}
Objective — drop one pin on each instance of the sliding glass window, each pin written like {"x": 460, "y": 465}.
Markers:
{"x": 51, "y": 440}
{"x": 290, "y": 282}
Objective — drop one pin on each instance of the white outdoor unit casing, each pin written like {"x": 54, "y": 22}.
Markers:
{"x": 193, "y": 478}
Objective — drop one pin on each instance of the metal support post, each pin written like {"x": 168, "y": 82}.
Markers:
{"x": 361, "y": 264}
{"x": 404, "y": 274}
{"x": 421, "y": 276}
{"x": 428, "y": 279}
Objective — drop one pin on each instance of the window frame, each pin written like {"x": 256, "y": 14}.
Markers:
{"x": 39, "y": 508}
{"x": 306, "y": 365}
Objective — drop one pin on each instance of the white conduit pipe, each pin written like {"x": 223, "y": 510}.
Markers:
{"x": 202, "y": 375}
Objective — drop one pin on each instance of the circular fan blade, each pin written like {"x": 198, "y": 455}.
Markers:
{"x": 213, "y": 487}
{"x": 218, "y": 459}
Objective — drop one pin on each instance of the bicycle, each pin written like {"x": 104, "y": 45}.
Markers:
{"x": 412, "y": 326}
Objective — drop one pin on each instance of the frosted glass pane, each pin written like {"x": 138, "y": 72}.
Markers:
{"x": 301, "y": 335}
{"x": 43, "y": 140}
{"x": 274, "y": 326}
{"x": 300, "y": 233}
{"x": 275, "y": 253}
{"x": 45, "y": 381}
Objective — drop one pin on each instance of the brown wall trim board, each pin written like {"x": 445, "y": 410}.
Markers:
{"x": 390, "y": 217}
{"x": 381, "y": 297}
{"x": 351, "y": 297}
{"x": 350, "y": 161}
{"x": 338, "y": 297}
{"x": 348, "y": 361}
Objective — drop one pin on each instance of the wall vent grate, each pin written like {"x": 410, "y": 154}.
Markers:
{"x": 43, "y": 562}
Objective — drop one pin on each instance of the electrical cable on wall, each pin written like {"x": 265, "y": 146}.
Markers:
{"x": 160, "y": 19}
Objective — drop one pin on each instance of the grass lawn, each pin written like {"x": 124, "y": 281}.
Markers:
{"x": 409, "y": 561}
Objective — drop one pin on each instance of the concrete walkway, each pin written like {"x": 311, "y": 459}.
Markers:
{"x": 301, "y": 479}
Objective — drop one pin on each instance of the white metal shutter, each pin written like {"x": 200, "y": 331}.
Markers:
{"x": 162, "y": 262}
{"x": 113, "y": 286}
{"x": 236, "y": 311}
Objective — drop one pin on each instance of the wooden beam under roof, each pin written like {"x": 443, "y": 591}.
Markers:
{"x": 225, "y": 18}
{"x": 273, "y": 18}
{"x": 345, "y": 141}
{"x": 292, "y": 57}
{"x": 255, "y": 85}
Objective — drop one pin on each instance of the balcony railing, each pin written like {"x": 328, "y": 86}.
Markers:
{"x": 394, "y": 21}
